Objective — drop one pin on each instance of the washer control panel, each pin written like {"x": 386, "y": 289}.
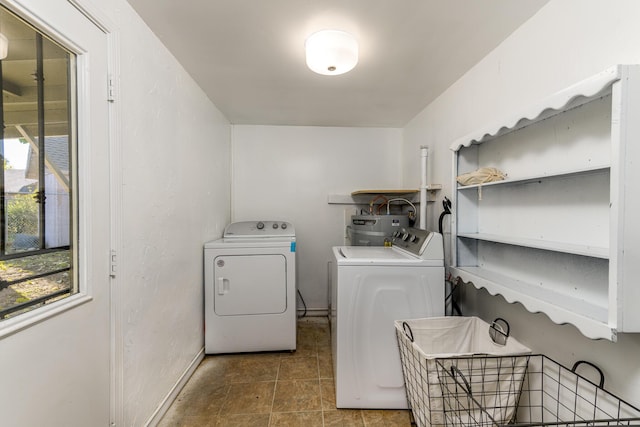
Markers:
{"x": 259, "y": 229}
{"x": 414, "y": 240}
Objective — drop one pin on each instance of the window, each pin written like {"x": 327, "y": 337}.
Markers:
{"x": 37, "y": 146}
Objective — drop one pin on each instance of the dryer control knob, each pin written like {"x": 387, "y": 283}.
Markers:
{"x": 275, "y": 225}
{"x": 260, "y": 225}
{"x": 284, "y": 226}
{"x": 406, "y": 236}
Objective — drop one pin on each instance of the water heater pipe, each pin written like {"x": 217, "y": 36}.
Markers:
{"x": 424, "y": 157}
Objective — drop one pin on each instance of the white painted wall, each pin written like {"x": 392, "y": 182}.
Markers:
{"x": 175, "y": 197}
{"x": 567, "y": 41}
{"x": 287, "y": 172}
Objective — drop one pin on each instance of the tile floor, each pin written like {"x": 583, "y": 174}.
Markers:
{"x": 273, "y": 389}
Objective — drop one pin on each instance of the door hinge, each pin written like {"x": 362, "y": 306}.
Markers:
{"x": 113, "y": 264}
{"x": 111, "y": 90}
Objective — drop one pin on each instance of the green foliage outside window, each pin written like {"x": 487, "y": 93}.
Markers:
{"x": 22, "y": 216}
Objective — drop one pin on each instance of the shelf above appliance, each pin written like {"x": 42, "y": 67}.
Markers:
{"x": 363, "y": 197}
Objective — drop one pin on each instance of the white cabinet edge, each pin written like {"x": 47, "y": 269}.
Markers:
{"x": 583, "y": 91}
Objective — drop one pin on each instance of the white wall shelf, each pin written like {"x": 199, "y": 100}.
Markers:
{"x": 363, "y": 197}
{"x": 584, "y": 250}
{"x": 558, "y": 235}
{"x": 527, "y": 179}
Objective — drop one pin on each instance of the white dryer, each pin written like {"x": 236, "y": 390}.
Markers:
{"x": 370, "y": 288}
{"x": 250, "y": 288}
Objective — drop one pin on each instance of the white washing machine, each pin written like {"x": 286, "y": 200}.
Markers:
{"x": 250, "y": 288}
{"x": 370, "y": 288}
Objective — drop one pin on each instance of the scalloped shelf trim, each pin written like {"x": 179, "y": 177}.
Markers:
{"x": 571, "y": 97}
{"x": 589, "y": 327}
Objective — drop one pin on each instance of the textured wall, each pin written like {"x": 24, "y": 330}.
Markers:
{"x": 175, "y": 197}
{"x": 564, "y": 43}
{"x": 287, "y": 172}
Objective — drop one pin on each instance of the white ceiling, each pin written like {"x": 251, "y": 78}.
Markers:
{"x": 248, "y": 55}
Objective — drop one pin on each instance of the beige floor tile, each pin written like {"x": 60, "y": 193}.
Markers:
{"x": 209, "y": 401}
{"x": 298, "y": 368}
{"x": 200, "y": 398}
{"x": 243, "y": 420}
{"x": 297, "y": 395}
{"x": 324, "y": 350}
{"x": 328, "y": 391}
{"x": 249, "y": 398}
{"x": 296, "y": 419}
{"x": 343, "y": 418}
{"x": 272, "y": 389}
{"x": 325, "y": 366}
{"x": 305, "y": 335}
{"x": 211, "y": 370}
{"x": 323, "y": 336}
{"x": 189, "y": 421}
{"x": 251, "y": 367}
{"x": 386, "y": 418}
{"x": 303, "y": 349}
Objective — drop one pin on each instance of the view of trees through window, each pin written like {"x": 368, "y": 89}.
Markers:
{"x": 36, "y": 148}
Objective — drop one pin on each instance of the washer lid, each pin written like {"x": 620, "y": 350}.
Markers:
{"x": 380, "y": 255}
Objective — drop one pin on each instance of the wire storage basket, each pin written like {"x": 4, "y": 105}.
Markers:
{"x": 550, "y": 395}
{"x": 427, "y": 346}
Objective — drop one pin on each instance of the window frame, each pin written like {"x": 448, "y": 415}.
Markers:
{"x": 79, "y": 104}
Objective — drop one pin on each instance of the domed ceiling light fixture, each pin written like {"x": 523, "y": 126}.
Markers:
{"x": 331, "y": 52}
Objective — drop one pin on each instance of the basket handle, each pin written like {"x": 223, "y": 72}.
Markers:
{"x": 499, "y": 331}
{"x": 580, "y": 362}
{"x": 407, "y": 331}
{"x": 455, "y": 372}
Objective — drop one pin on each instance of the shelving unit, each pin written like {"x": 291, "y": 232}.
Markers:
{"x": 560, "y": 233}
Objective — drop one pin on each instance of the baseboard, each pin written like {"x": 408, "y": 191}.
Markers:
{"x": 175, "y": 390}
{"x": 314, "y": 312}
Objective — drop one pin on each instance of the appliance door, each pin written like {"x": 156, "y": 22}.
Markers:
{"x": 250, "y": 284}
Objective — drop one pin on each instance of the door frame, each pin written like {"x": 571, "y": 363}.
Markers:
{"x": 116, "y": 364}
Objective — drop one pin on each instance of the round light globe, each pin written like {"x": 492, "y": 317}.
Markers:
{"x": 331, "y": 52}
